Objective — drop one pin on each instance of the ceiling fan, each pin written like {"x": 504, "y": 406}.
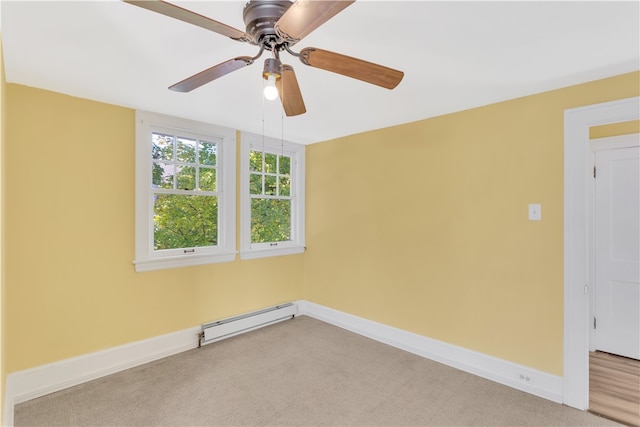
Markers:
{"x": 275, "y": 26}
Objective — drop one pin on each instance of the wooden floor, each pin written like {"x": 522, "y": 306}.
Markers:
{"x": 614, "y": 387}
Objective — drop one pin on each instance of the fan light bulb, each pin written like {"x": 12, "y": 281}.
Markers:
{"x": 270, "y": 91}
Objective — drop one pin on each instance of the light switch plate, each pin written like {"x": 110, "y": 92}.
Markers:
{"x": 535, "y": 212}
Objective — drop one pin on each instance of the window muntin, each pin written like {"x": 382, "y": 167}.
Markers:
{"x": 271, "y": 199}
{"x": 183, "y": 182}
{"x": 185, "y": 192}
{"x": 272, "y": 192}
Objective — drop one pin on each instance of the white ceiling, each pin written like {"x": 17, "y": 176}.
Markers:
{"x": 455, "y": 55}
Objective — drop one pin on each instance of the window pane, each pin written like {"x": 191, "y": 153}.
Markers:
{"x": 270, "y": 162}
{"x": 255, "y": 161}
{"x": 207, "y": 153}
{"x": 184, "y": 221}
{"x": 270, "y": 185}
{"x": 207, "y": 180}
{"x": 255, "y": 183}
{"x": 270, "y": 220}
{"x": 285, "y": 165}
{"x": 285, "y": 186}
{"x": 162, "y": 175}
{"x": 161, "y": 147}
{"x": 186, "y": 150}
{"x": 186, "y": 176}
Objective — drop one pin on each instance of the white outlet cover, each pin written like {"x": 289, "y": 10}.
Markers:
{"x": 535, "y": 212}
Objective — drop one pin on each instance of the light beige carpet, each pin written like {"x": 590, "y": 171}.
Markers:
{"x": 300, "y": 372}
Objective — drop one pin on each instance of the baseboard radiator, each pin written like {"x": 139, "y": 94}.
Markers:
{"x": 225, "y": 328}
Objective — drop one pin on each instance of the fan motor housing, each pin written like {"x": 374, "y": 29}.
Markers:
{"x": 260, "y": 17}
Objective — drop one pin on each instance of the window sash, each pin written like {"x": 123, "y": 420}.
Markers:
{"x": 147, "y": 257}
{"x": 295, "y": 153}
{"x": 195, "y": 237}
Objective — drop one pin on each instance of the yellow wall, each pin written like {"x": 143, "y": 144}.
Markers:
{"x": 424, "y": 226}
{"x": 421, "y": 226}
{"x": 70, "y": 241}
{"x": 614, "y": 129}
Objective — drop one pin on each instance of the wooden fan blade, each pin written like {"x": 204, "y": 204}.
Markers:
{"x": 289, "y": 91}
{"x": 212, "y": 73}
{"x": 185, "y": 15}
{"x": 351, "y": 67}
{"x": 304, "y": 16}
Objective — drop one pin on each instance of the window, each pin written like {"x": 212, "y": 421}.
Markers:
{"x": 272, "y": 192}
{"x": 185, "y": 193}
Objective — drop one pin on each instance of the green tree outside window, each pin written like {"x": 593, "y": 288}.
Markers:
{"x": 270, "y": 189}
{"x": 184, "y": 179}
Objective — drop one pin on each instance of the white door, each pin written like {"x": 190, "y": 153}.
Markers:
{"x": 617, "y": 251}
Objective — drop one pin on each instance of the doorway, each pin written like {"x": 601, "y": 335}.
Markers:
{"x": 578, "y": 242}
{"x": 614, "y": 282}
{"x": 614, "y": 342}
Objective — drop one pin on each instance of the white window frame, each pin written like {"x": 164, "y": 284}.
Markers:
{"x": 146, "y": 259}
{"x": 248, "y": 250}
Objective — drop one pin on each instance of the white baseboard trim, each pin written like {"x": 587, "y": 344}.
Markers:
{"x": 36, "y": 382}
{"x": 32, "y": 383}
{"x": 492, "y": 368}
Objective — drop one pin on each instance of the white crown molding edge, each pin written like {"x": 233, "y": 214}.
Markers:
{"x": 516, "y": 376}
{"x": 7, "y": 411}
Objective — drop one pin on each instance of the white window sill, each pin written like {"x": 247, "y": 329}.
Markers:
{"x": 264, "y": 253}
{"x": 182, "y": 261}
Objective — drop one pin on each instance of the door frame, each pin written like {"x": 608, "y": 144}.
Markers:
{"x": 577, "y": 240}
